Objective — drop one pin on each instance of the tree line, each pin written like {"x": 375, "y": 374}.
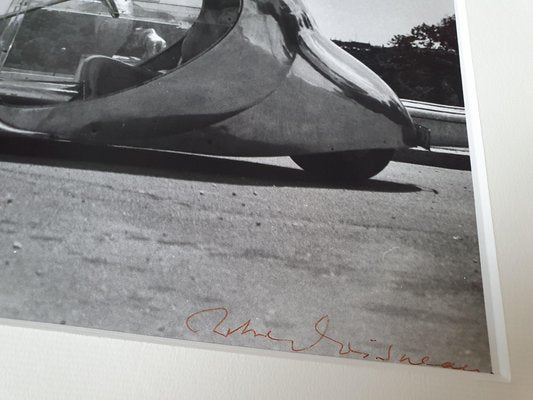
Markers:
{"x": 423, "y": 65}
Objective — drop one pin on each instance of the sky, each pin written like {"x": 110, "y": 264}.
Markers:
{"x": 375, "y": 21}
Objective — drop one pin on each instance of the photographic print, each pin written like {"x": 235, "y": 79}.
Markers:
{"x": 286, "y": 175}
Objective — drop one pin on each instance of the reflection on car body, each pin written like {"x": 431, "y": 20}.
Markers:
{"x": 225, "y": 77}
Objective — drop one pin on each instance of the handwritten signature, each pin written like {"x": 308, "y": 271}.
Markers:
{"x": 321, "y": 328}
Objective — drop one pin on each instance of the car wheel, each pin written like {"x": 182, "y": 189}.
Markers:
{"x": 352, "y": 166}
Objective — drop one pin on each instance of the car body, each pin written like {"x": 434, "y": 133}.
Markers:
{"x": 244, "y": 78}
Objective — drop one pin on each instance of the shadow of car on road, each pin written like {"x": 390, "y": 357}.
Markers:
{"x": 174, "y": 165}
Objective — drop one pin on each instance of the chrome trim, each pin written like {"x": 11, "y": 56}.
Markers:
{"x": 7, "y": 129}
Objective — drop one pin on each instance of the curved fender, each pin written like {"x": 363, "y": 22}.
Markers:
{"x": 329, "y": 102}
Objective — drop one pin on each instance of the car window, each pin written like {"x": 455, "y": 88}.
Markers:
{"x": 56, "y": 38}
{"x": 53, "y": 40}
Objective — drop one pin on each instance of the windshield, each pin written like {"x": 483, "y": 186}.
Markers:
{"x": 33, "y": 5}
{"x": 56, "y": 40}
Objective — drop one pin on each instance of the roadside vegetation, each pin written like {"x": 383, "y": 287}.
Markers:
{"x": 423, "y": 65}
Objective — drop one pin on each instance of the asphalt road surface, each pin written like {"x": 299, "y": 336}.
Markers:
{"x": 137, "y": 241}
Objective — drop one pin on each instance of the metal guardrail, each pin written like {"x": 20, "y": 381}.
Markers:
{"x": 447, "y": 123}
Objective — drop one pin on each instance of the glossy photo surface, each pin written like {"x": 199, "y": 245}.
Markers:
{"x": 288, "y": 175}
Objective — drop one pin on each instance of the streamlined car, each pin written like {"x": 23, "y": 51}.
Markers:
{"x": 218, "y": 77}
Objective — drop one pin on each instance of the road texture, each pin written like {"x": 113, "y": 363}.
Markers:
{"x": 137, "y": 241}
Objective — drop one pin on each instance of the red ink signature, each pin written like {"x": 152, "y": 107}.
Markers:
{"x": 321, "y": 327}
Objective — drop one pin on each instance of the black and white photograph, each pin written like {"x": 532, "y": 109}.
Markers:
{"x": 282, "y": 175}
